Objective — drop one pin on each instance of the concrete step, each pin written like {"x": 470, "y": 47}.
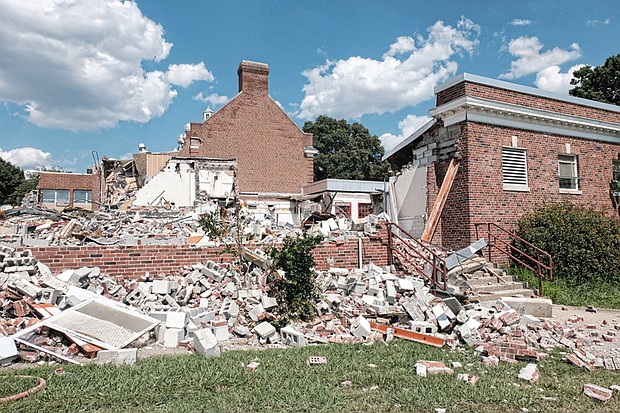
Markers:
{"x": 524, "y": 292}
{"x": 513, "y": 285}
{"x": 489, "y": 280}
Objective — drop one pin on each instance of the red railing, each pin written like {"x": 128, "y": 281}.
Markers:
{"x": 496, "y": 236}
{"x": 416, "y": 255}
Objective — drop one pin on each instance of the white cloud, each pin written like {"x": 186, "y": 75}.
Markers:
{"x": 357, "y": 85}
{"x": 531, "y": 60}
{"x": 406, "y": 126}
{"x": 27, "y": 157}
{"x": 553, "y": 80}
{"x": 521, "y": 22}
{"x": 596, "y": 23}
{"x": 78, "y": 64}
{"x": 213, "y": 99}
{"x": 185, "y": 74}
{"x": 404, "y": 44}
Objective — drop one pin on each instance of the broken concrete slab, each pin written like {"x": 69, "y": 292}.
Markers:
{"x": 537, "y": 307}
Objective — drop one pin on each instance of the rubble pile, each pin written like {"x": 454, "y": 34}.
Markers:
{"x": 40, "y": 227}
{"x": 209, "y": 306}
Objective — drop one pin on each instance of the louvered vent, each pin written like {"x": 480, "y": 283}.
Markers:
{"x": 514, "y": 169}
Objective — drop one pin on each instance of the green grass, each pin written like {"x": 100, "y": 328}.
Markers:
{"x": 597, "y": 293}
{"x": 285, "y": 383}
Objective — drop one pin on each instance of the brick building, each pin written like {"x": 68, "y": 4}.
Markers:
{"x": 274, "y": 156}
{"x": 516, "y": 147}
{"x": 60, "y": 190}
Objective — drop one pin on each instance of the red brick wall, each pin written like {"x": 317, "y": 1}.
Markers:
{"x": 72, "y": 182}
{"x": 526, "y": 100}
{"x": 268, "y": 145}
{"x": 477, "y": 194}
{"x": 134, "y": 261}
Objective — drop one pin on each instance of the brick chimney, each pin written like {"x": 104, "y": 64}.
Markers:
{"x": 253, "y": 77}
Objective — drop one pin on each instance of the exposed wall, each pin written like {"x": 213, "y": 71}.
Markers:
{"x": 72, "y": 182}
{"x": 253, "y": 129}
{"x": 134, "y": 261}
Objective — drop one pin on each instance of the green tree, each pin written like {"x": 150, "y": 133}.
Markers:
{"x": 27, "y": 185}
{"x": 11, "y": 177}
{"x": 600, "y": 83}
{"x": 346, "y": 151}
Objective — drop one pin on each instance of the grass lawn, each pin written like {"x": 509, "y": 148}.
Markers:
{"x": 596, "y": 293}
{"x": 285, "y": 383}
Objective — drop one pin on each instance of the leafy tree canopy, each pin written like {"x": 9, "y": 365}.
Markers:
{"x": 11, "y": 177}
{"x": 346, "y": 151}
{"x": 600, "y": 83}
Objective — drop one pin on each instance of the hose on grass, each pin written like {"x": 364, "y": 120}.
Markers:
{"x": 26, "y": 393}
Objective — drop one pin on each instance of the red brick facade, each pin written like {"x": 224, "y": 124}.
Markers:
{"x": 252, "y": 128}
{"x": 130, "y": 262}
{"x": 491, "y": 115}
{"x": 72, "y": 182}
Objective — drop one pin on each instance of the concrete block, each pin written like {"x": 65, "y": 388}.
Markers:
{"x": 529, "y": 373}
{"x": 411, "y": 307}
{"x": 293, "y": 337}
{"x": 172, "y": 337}
{"x": 49, "y": 296}
{"x": 362, "y": 327}
{"x": 527, "y": 320}
{"x": 205, "y": 343}
{"x": 176, "y": 319}
{"x": 127, "y": 356}
{"x": 538, "y": 307}
{"x": 423, "y": 327}
{"x": 241, "y": 330}
{"x": 265, "y": 329}
{"x": 229, "y": 309}
{"x": 453, "y": 304}
{"x": 8, "y": 351}
{"x": 161, "y": 287}
{"x": 268, "y": 302}
{"x": 256, "y": 312}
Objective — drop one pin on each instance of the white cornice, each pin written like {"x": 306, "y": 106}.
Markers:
{"x": 520, "y": 117}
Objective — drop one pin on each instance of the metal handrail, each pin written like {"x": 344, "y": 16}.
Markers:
{"x": 535, "y": 264}
{"x": 416, "y": 248}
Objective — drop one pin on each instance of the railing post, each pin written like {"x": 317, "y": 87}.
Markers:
{"x": 490, "y": 242}
{"x": 390, "y": 257}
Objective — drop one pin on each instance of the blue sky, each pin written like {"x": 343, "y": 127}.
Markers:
{"x": 78, "y": 76}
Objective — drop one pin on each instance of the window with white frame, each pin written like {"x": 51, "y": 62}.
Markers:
{"x": 514, "y": 169}
{"x": 567, "y": 172}
{"x": 82, "y": 197}
{"x": 55, "y": 196}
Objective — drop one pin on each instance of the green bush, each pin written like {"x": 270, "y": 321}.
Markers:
{"x": 212, "y": 224}
{"x": 296, "y": 291}
{"x": 584, "y": 243}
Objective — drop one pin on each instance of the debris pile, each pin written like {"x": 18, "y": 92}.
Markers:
{"x": 209, "y": 306}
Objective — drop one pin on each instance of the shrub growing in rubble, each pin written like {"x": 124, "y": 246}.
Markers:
{"x": 583, "y": 243}
{"x": 212, "y": 224}
{"x": 296, "y": 291}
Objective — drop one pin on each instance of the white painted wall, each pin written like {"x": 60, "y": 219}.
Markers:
{"x": 410, "y": 196}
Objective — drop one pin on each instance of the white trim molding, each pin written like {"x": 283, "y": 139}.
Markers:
{"x": 520, "y": 117}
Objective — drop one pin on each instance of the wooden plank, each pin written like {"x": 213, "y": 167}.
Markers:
{"x": 446, "y": 185}
{"x": 410, "y": 335}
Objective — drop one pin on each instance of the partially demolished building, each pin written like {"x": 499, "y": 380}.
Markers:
{"x": 505, "y": 149}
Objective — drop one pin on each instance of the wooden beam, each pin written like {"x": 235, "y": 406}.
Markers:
{"x": 433, "y": 218}
{"x": 410, "y": 335}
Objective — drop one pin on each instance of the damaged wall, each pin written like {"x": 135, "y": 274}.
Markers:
{"x": 59, "y": 190}
{"x": 134, "y": 261}
{"x": 185, "y": 182}
{"x": 268, "y": 146}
